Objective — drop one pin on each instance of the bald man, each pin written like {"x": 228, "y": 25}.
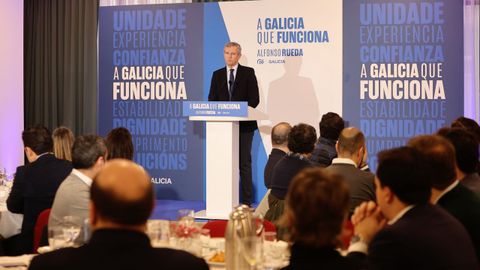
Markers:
{"x": 122, "y": 199}
{"x": 351, "y": 150}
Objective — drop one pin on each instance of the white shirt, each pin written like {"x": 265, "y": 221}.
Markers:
{"x": 87, "y": 180}
{"x": 235, "y": 68}
{"x": 445, "y": 191}
{"x": 343, "y": 161}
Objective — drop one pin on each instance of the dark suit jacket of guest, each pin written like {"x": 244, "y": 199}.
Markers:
{"x": 360, "y": 183}
{"x": 426, "y": 237}
{"x": 245, "y": 88}
{"x": 324, "y": 152}
{"x": 464, "y": 205}
{"x": 312, "y": 258}
{"x": 34, "y": 189}
{"x": 273, "y": 159}
{"x": 472, "y": 181}
{"x": 119, "y": 250}
{"x": 284, "y": 172}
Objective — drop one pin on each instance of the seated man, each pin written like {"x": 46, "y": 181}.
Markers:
{"x": 330, "y": 127}
{"x": 351, "y": 150}
{"x": 35, "y": 185}
{"x": 122, "y": 199}
{"x": 419, "y": 235}
{"x": 447, "y": 191}
{"x": 279, "y": 138}
{"x": 73, "y": 195}
{"x": 301, "y": 142}
{"x": 466, "y": 156}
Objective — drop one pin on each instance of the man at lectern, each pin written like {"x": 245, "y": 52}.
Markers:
{"x": 235, "y": 82}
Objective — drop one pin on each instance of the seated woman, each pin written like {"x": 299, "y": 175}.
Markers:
{"x": 301, "y": 142}
{"x": 119, "y": 144}
{"x": 316, "y": 210}
{"x": 62, "y": 143}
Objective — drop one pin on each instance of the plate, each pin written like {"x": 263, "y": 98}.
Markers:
{"x": 44, "y": 249}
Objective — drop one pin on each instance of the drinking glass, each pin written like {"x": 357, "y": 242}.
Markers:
{"x": 71, "y": 229}
{"x": 251, "y": 250}
{"x": 159, "y": 232}
{"x": 56, "y": 237}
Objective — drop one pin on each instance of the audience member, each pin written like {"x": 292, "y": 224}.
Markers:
{"x": 119, "y": 144}
{"x": 419, "y": 235}
{"x": 316, "y": 209}
{"x": 35, "y": 185}
{"x": 466, "y": 155}
{"x": 330, "y": 127}
{"x": 279, "y": 137}
{"x": 301, "y": 142}
{"x": 73, "y": 195}
{"x": 122, "y": 199}
{"x": 62, "y": 143}
{"x": 351, "y": 150}
{"x": 469, "y": 125}
{"x": 447, "y": 192}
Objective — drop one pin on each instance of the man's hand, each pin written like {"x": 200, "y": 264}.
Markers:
{"x": 368, "y": 221}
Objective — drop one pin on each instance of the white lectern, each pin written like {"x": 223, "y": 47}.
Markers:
{"x": 222, "y": 157}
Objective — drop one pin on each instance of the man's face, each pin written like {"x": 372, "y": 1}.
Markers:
{"x": 231, "y": 55}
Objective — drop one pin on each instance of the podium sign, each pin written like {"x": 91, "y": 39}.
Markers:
{"x": 215, "y": 108}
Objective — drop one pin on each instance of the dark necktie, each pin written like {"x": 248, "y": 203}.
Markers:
{"x": 231, "y": 80}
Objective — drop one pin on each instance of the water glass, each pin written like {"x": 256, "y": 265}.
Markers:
{"x": 71, "y": 229}
{"x": 159, "y": 232}
{"x": 56, "y": 237}
{"x": 186, "y": 215}
{"x": 251, "y": 250}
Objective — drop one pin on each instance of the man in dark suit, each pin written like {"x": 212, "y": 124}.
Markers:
{"x": 122, "y": 199}
{"x": 447, "y": 191}
{"x": 466, "y": 156}
{"x": 34, "y": 186}
{"x": 330, "y": 127}
{"x": 238, "y": 83}
{"x": 418, "y": 235}
{"x": 279, "y": 137}
{"x": 351, "y": 149}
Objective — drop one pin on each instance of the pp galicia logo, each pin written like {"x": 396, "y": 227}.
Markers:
{"x": 162, "y": 180}
{"x": 260, "y": 61}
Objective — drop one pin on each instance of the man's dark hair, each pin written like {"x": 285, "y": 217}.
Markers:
{"x": 118, "y": 209}
{"x": 402, "y": 170}
{"x": 119, "y": 144}
{"x": 438, "y": 157}
{"x": 86, "y": 150}
{"x": 331, "y": 125}
{"x": 280, "y": 133}
{"x": 38, "y": 138}
{"x": 468, "y": 124}
{"x": 466, "y": 147}
{"x": 302, "y": 139}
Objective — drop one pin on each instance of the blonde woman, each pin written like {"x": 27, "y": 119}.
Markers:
{"x": 62, "y": 143}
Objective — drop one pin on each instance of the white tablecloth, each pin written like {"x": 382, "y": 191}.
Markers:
{"x": 10, "y": 223}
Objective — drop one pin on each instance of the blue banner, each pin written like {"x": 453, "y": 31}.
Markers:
{"x": 150, "y": 59}
{"x": 403, "y": 68}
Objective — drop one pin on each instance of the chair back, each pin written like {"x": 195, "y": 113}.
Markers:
{"x": 42, "y": 222}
